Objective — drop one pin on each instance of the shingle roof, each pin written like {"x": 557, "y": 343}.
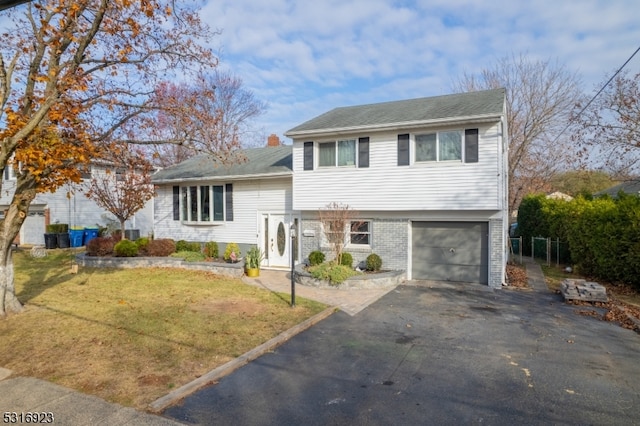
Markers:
{"x": 421, "y": 110}
{"x": 628, "y": 187}
{"x": 259, "y": 162}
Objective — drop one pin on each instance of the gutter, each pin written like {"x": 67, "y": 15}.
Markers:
{"x": 396, "y": 126}
{"x": 227, "y": 177}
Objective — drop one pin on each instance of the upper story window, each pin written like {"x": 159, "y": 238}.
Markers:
{"x": 341, "y": 153}
{"x": 204, "y": 203}
{"x": 439, "y": 146}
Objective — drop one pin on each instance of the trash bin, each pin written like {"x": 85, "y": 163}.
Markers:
{"x": 90, "y": 234}
{"x": 63, "y": 240}
{"x": 51, "y": 241}
{"x": 76, "y": 236}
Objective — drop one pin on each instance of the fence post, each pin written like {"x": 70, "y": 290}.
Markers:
{"x": 548, "y": 251}
{"x": 521, "y": 248}
{"x": 533, "y": 254}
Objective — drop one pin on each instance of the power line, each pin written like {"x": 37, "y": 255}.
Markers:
{"x": 599, "y": 91}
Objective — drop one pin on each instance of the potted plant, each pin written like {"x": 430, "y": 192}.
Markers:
{"x": 253, "y": 260}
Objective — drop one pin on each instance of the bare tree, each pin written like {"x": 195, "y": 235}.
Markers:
{"x": 224, "y": 116}
{"x": 540, "y": 96}
{"x": 76, "y": 76}
{"x": 610, "y": 127}
{"x": 338, "y": 221}
{"x": 124, "y": 188}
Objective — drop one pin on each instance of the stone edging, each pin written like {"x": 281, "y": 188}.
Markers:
{"x": 231, "y": 270}
{"x": 365, "y": 281}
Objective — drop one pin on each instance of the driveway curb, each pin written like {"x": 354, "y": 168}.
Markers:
{"x": 171, "y": 398}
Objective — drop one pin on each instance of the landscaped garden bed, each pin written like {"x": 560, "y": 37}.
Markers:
{"x": 361, "y": 281}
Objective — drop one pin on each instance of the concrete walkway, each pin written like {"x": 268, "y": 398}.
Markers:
{"x": 350, "y": 301}
{"x": 535, "y": 277}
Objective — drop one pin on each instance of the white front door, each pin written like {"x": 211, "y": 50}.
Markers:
{"x": 276, "y": 240}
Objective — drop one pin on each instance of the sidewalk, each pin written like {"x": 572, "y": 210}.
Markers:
{"x": 22, "y": 395}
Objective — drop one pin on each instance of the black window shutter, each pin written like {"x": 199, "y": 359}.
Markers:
{"x": 471, "y": 146}
{"x": 228, "y": 200}
{"x": 403, "y": 150}
{"x": 363, "y": 152}
{"x": 308, "y": 156}
{"x": 176, "y": 203}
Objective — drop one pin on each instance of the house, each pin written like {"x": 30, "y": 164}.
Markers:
{"x": 69, "y": 205}
{"x": 247, "y": 202}
{"x": 630, "y": 187}
{"x": 427, "y": 178}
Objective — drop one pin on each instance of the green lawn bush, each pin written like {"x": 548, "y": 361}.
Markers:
{"x": 332, "y": 272}
{"x": 126, "y": 248}
{"x": 346, "y": 259}
{"x": 232, "y": 248}
{"x": 211, "y": 249}
{"x": 316, "y": 257}
{"x": 374, "y": 262}
{"x": 189, "y": 256}
{"x": 182, "y": 245}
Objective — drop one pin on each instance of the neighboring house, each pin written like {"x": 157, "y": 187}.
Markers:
{"x": 428, "y": 178}
{"x": 631, "y": 187}
{"x": 247, "y": 202}
{"x": 428, "y": 175}
{"x": 67, "y": 205}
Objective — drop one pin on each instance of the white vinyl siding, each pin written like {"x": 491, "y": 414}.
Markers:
{"x": 249, "y": 198}
{"x": 385, "y": 186}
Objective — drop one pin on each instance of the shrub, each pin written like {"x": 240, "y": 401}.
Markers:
{"x": 374, "y": 262}
{"x": 142, "y": 243}
{"x": 126, "y": 248}
{"x": 232, "y": 248}
{"x": 316, "y": 257}
{"x": 211, "y": 249}
{"x": 161, "y": 247}
{"x": 346, "y": 260}
{"x": 332, "y": 272}
{"x": 100, "y": 246}
{"x": 57, "y": 228}
{"x": 183, "y": 245}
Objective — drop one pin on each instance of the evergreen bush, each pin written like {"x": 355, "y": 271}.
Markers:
{"x": 211, "y": 249}
{"x": 232, "y": 248}
{"x": 126, "y": 248}
{"x": 374, "y": 262}
{"x": 316, "y": 257}
{"x": 346, "y": 259}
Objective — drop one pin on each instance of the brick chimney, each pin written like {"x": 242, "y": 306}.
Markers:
{"x": 273, "y": 140}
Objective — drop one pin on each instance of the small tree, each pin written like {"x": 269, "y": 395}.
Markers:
{"x": 337, "y": 221}
{"x": 124, "y": 189}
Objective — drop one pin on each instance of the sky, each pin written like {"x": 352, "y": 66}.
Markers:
{"x": 304, "y": 58}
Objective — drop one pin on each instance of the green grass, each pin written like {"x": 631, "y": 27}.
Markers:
{"x": 131, "y": 335}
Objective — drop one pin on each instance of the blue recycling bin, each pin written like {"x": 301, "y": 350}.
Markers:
{"x": 90, "y": 234}
{"x": 76, "y": 236}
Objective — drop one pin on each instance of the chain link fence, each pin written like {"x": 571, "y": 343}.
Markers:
{"x": 547, "y": 249}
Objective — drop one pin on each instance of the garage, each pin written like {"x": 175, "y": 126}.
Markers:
{"x": 450, "y": 251}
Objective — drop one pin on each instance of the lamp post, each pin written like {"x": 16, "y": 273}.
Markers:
{"x": 292, "y": 232}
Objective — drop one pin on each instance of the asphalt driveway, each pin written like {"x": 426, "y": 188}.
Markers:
{"x": 437, "y": 353}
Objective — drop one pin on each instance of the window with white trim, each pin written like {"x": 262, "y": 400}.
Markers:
{"x": 440, "y": 146}
{"x": 360, "y": 232}
{"x": 206, "y": 203}
{"x": 341, "y": 153}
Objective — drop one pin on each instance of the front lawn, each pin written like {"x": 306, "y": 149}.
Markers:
{"x": 132, "y": 335}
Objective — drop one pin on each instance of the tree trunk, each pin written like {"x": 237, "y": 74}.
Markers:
{"x": 9, "y": 229}
{"x": 122, "y": 235}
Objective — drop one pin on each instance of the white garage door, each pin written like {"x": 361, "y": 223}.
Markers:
{"x": 32, "y": 231}
{"x": 450, "y": 251}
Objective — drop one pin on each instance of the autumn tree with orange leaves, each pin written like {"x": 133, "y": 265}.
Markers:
{"x": 78, "y": 77}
